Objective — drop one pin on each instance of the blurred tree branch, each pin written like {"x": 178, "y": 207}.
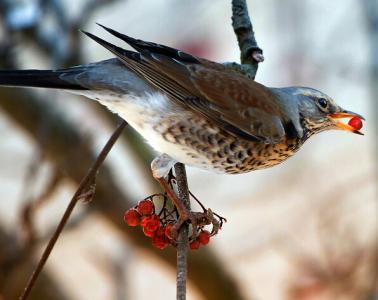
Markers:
{"x": 370, "y": 10}
{"x": 16, "y": 264}
{"x": 84, "y": 192}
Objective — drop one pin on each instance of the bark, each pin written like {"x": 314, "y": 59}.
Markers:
{"x": 183, "y": 236}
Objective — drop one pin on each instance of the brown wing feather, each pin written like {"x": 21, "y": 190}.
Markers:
{"x": 239, "y": 105}
{"x": 226, "y": 97}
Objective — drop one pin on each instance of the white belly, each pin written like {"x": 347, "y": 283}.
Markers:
{"x": 142, "y": 115}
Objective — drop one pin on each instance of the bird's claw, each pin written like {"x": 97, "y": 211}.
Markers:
{"x": 198, "y": 221}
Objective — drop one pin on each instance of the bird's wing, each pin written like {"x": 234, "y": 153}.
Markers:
{"x": 239, "y": 105}
{"x": 239, "y": 101}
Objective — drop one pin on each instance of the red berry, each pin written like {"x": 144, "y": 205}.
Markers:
{"x": 159, "y": 240}
{"x": 195, "y": 244}
{"x": 168, "y": 230}
{"x": 161, "y": 231}
{"x": 132, "y": 217}
{"x": 145, "y": 207}
{"x": 148, "y": 233}
{"x": 151, "y": 223}
{"x": 204, "y": 237}
{"x": 356, "y": 123}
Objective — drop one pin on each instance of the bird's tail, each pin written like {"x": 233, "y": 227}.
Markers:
{"x": 55, "y": 79}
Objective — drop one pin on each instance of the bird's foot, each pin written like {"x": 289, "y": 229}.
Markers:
{"x": 161, "y": 166}
{"x": 209, "y": 217}
{"x": 198, "y": 220}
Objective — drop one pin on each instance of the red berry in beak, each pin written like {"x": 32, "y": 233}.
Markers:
{"x": 356, "y": 123}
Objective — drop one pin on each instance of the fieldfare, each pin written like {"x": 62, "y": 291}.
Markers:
{"x": 193, "y": 110}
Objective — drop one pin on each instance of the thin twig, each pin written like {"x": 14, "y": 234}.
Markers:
{"x": 250, "y": 53}
{"x": 183, "y": 236}
{"x": 86, "y": 182}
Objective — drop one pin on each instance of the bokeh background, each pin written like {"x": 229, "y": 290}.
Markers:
{"x": 304, "y": 230}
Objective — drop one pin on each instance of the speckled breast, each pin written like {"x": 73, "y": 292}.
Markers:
{"x": 205, "y": 145}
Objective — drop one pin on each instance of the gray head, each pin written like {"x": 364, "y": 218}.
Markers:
{"x": 317, "y": 111}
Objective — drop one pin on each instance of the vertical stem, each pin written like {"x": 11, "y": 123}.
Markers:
{"x": 89, "y": 178}
{"x": 250, "y": 53}
{"x": 183, "y": 236}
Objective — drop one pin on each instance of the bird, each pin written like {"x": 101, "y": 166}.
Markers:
{"x": 193, "y": 110}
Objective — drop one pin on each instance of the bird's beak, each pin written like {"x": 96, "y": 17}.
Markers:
{"x": 345, "y": 114}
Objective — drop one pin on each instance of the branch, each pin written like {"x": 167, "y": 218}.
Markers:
{"x": 250, "y": 53}
{"x": 84, "y": 185}
{"x": 183, "y": 236}
{"x": 15, "y": 263}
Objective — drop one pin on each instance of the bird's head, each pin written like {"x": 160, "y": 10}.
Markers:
{"x": 319, "y": 112}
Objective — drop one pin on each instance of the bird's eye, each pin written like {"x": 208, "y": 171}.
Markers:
{"x": 323, "y": 102}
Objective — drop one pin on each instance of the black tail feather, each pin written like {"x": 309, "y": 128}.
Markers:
{"x": 118, "y": 51}
{"x": 142, "y": 46}
{"x": 40, "y": 78}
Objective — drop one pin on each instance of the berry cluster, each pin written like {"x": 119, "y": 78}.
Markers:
{"x": 144, "y": 215}
{"x": 158, "y": 226}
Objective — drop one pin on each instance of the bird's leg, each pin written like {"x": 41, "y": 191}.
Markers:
{"x": 160, "y": 167}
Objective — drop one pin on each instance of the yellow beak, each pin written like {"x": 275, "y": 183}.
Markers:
{"x": 343, "y": 126}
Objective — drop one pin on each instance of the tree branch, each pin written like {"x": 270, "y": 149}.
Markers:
{"x": 183, "y": 236}
{"x": 250, "y": 53}
{"x": 87, "y": 181}
{"x": 16, "y": 262}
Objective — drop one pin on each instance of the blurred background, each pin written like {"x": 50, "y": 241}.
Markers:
{"x": 304, "y": 230}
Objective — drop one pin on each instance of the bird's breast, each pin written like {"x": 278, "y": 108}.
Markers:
{"x": 201, "y": 143}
